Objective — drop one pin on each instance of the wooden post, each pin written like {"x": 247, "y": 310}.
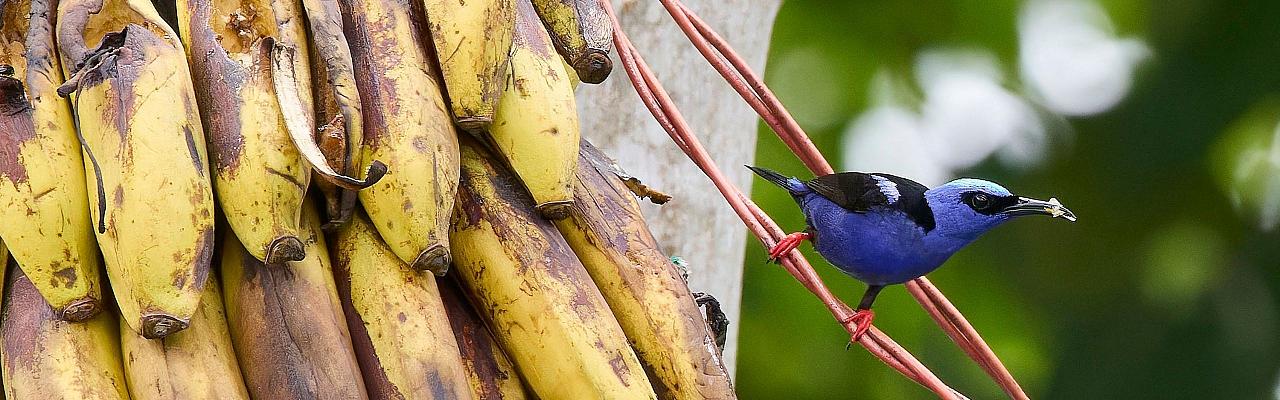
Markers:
{"x": 696, "y": 225}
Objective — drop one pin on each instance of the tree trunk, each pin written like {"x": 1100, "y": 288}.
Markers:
{"x": 697, "y": 224}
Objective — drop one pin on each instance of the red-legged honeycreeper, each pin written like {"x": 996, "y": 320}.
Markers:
{"x": 883, "y": 229}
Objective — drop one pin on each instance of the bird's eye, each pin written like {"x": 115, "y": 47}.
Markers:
{"x": 979, "y": 201}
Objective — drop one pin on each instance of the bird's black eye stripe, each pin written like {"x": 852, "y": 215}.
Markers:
{"x": 988, "y": 204}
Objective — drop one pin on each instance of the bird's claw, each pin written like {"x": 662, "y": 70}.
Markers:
{"x": 861, "y": 318}
{"x": 788, "y": 243}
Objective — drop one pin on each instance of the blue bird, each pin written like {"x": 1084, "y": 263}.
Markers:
{"x": 883, "y": 229}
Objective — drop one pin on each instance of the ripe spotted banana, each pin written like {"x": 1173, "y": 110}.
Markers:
{"x": 43, "y": 202}
{"x": 146, "y": 166}
{"x": 197, "y": 363}
{"x": 286, "y": 322}
{"x": 47, "y": 358}
{"x": 472, "y": 40}
{"x": 527, "y": 284}
{"x": 398, "y": 324}
{"x": 259, "y": 176}
{"x": 582, "y": 34}
{"x": 645, "y": 291}
{"x": 488, "y": 369}
{"x": 408, "y": 129}
{"x": 536, "y": 130}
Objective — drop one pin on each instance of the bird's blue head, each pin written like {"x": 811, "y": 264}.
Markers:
{"x": 966, "y": 208}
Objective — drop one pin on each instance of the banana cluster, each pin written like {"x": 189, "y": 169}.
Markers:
{"x": 325, "y": 199}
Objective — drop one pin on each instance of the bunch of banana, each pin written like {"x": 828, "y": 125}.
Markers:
{"x": 196, "y": 363}
{"x": 408, "y": 128}
{"x": 472, "y": 42}
{"x": 259, "y": 176}
{"x": 535, "y": 294}
{"x": 536, "y": 130}
{"x": 286, "y": 322}
{"x": 47, "y": 358}
{"x": 645, "y": 291}
{"x": 398, "y": 324}
{"x": 146, "y": 160}
{"x": 582, "y": 34}
{"x": 490, "y": 371}
{"x": 43, "y": 202}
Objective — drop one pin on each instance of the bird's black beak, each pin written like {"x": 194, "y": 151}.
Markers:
{"x": 1029, "y": 206}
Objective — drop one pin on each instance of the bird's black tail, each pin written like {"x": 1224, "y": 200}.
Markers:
{"x": 771, "y": 176}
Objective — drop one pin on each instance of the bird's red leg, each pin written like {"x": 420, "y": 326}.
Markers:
{"x": 862, "y": 318}
{"x": 784, "y": 246}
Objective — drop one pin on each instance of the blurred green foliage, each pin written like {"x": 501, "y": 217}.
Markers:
{"x": 1161, "y": 290}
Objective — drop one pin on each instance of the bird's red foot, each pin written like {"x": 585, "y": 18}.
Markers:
{"x": 862, "y": 318}
{"x": 788, "y": 243}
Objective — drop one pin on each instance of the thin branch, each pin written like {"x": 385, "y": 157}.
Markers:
{"x": 757, "y": 95}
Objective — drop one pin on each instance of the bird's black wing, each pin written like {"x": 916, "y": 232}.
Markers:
{"x": 859, "y": 192}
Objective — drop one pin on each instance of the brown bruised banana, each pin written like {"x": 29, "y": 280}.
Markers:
{"x": 48, "y": 358}
{"x": 43, "y": 201}
{"x": 536, "y": 130}
{"x": 645, "y": 291}
{"x": 534, "y": 294}
{"x": 398, "y": 324}
{"x": 259, "y": 176}
{"x": 286, "y": 322}
{"x": 488, "y": 369}
{"x": 197, "y": 363}
{"x": 471, "y": 40}
{"x": 582, "y": 34}
{"x": 146, "y": 165}
{"x": 408, "y": 129}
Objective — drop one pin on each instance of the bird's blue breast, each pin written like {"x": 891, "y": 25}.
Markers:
{"x": 880, "y": 247}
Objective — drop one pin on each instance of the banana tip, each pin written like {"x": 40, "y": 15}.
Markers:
{"x": 474, "y": 125}
{"x": 555, "y": 210}
{"x": 157, "y": 326}
{"x": 435, "y": 259}
{"x": 285, "y": 248}
{"x": 593, "y": 67}
{"x": 81, "y": 310}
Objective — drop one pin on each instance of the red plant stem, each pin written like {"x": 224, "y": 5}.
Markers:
{"x": 668, "y": 116}
{"x": 771, "y": 110}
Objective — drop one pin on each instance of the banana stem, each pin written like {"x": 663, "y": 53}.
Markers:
{"x": 717, "y": 51}
{"x": 668, "y": 116}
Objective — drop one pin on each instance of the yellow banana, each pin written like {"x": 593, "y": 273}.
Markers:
{"x": 643, "y": 288}
{"x": 408, "y": 129}
{"x": 398, "y": 324}
{"x": 43, "y": 202}
{"x": 147, "y": 166}
{"x": 197, "y": 363}
{"x": 287, "y": 324}
{"x": 536, "y": 130}
{"x": 582, "y": 34}
{"x": 488, "y": 369}
{"x": 526, "y": 283}
{"x": 259, "y": 176}
{"x": 472, "y": 40}
{"x": 47, "y": 358}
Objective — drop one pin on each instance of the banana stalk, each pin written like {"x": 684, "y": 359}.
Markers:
{"x": 146, "y": 166}
{"x": 260, "y": 177}
{"x": 536, "y": 130}
{"x": 286, "y": 322}
{"x": 197, "y": 363}
{"x": 397, "y": 321}
{"x": 472, "y": 40}
{"x": 530, "y": 288}
{"x": 408, "y": 128}
{"x": 48, "y": 358}
{"x": 42, "y": 187}
{"x": 582, "y": 34}
{"x": 645, "y": 291}
{"x": 488, "y": 369}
